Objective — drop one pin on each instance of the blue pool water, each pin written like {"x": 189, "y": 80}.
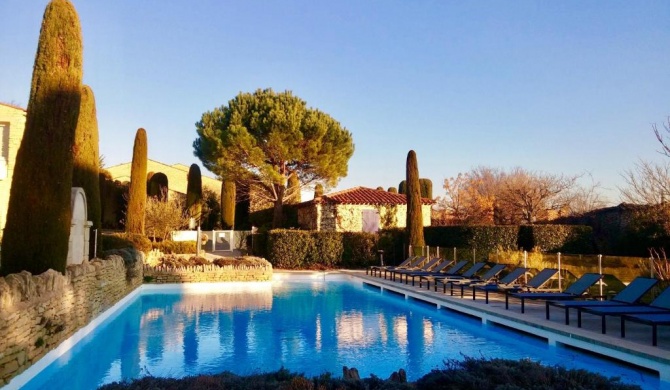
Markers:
{"x": 310, "y": 327}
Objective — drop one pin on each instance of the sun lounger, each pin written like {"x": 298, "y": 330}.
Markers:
{"x": 373, "y": 269}
{"x": 653, "y": 319}
{"x": 661, "y": 305}
{"x": 416, "y": 261}
{"x": 428, "y": 276}
{"x": 575, "y": 290}
{"x": 416, "y": 264}
{"x": 487, "y": 277}
{"x": 507, "y": 280}
{"x": 427, "y": 267}
{"x": 629, "y": 295}
{"x": 467, "y": 274}
{"x": 438, "y": 269}
{"x": 534, "y": 283}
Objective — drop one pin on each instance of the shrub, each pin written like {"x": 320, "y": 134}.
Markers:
{"x": 514, "y": 374}
{"x": 158, "y": 186}
{"x": 394, "y": 244}
{"x": 228, "y": 193}
{"x": 161, "y": 218}
{"x": 85, "y": 168}
{"x": 37, "y": 227}
{"x": 126, "y": 240}
{"x": 288, "y": 249}
{"x": 359, "y": 250}
{"x": 137, "y": 193}
{"x": 174, "y": 247}
{"x": 325, "y": 251}
{"x": 318, "y": 190}
{"x": 426, "y": 186}
{"x": 484, "y": 239}
{"x": 194, "y": 193}
{"x": 557, "y": 238}
{"x": 301, "y": 249}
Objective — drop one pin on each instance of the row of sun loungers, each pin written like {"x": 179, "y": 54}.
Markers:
{"x": 624, "y": 305}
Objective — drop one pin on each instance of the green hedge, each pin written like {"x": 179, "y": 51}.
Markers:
{"x": 484, "y": 239}
{"x": 359, "y": 250}
{"x": 557, "y": 238}
{"x": 326, "y": 249}
{"x": 302, "y": 249}
{"x": 174, "y": 247}
{"x": 126, "y": 240}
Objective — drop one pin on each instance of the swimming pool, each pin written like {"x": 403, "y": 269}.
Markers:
{"x": 309, "y": 326}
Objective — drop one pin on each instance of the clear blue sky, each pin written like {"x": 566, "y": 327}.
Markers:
{"x": 551, "y": 86}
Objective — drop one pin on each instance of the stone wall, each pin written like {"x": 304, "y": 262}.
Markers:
{"x": 208, "y": 273}
{"x": 349, "y": 218}
{"x": 38, "y": 312}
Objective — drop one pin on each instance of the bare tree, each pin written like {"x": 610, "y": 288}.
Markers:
{"x": 530, "y": 196}
{"x": 664, "y": 144}
{"x": 162, "y": 217}
{"x": 647, "y": 183}
{"x": 586, "y": 198}
{"x": 470, "y": 197}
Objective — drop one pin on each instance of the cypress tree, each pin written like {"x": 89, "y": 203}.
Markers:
{"x": 228, "y": 192}
{"x": 402, "y": 187}
{"x": 392, "y": 190}
{"x": 39, "y": 214}
{"x": 293, "y": 189}
{"x": 158, "y": 186}
{"x": 86, "y": 153}
{"x": 426, "y": 188}
{"x": 194, "y": 192}
{"x": 318, "y": 190}
{"x": 414, "y": 215}
{"x": 137, "y": 193}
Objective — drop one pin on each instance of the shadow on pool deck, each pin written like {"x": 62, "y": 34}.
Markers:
{"x": 635, "y": 349}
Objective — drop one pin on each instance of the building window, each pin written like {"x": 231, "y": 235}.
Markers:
{"x": 370, "y": 221}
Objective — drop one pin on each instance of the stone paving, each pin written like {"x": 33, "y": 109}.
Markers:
{"x": 636, "y": 348}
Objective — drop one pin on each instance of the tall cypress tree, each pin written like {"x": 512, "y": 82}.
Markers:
{"x": 426, "y": 188}
{"x": 39, "y": 213}
{"x": 228, "y": 193}
{"x": 86, "y": 153}
{"x": 318, "y": 190}
{"x": 194, "y": 193}
{"x": 137, "y": 193}
{"x": 402, "y": 187}
{"x": 293, "y": 190}
{"x": 414, "y": 216}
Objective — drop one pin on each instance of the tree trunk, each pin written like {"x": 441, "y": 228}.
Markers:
{"x": 278, "y": 216}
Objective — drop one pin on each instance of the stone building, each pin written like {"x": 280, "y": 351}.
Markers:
{"x": 358, "y": 209}
{"x": 12, "y": 125}
{"x": 177, "y": 175}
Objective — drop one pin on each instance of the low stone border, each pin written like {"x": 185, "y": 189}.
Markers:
{"x": 208, "y": 273}
{"x": 38, "y": 312}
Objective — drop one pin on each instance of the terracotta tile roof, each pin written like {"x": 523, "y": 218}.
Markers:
{"x": 364, "y": 195}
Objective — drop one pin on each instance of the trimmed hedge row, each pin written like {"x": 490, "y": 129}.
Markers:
{"x": 483, "y": 238}
{"x": 142, "y": 243}
{"x": 549, "y": 238}
{"x": 303, "y": 249}
{"x": 557, "y": 238}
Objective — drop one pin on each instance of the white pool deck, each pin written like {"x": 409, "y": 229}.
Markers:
{"x": 635, "y": 349}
